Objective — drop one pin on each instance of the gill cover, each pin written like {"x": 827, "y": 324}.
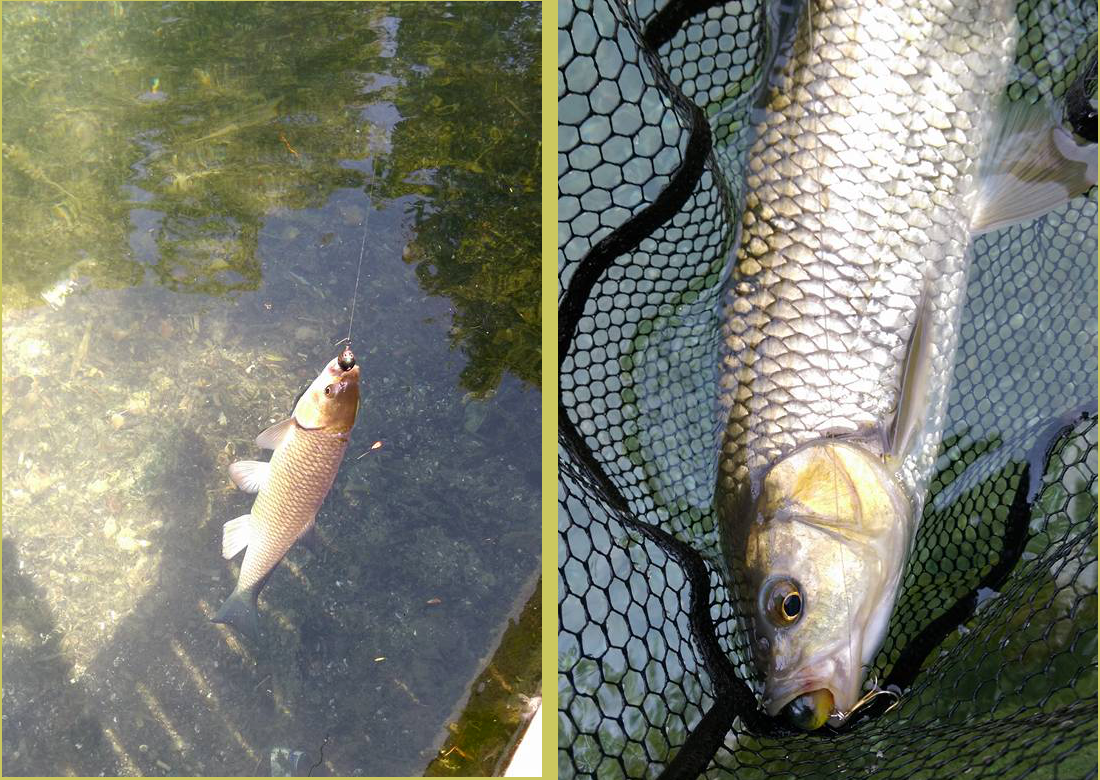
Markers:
{"x": 823, "y": 554}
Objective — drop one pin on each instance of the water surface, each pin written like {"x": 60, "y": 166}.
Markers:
{"x": 187, "y": 190}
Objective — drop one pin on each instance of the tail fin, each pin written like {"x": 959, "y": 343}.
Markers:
{"x": 239, "y": 611}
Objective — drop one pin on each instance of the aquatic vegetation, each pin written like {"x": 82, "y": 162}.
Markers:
{"x": 221, "y": 152}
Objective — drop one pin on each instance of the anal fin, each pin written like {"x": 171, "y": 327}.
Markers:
{"x": 236, "y": 535}
{"x": 311, "y": 539}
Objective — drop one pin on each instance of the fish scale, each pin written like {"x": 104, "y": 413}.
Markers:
{"x": 860, "y": 191}
{"x": 302, "y": 472}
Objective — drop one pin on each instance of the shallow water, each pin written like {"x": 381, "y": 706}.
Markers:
{"x": 187, "y": 189}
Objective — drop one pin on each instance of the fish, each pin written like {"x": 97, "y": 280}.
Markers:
{"x": 307, "y": 449}
{"x": 884, "y": 143}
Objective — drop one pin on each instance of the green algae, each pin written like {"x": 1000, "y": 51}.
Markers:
{"x": 501, "y": 703}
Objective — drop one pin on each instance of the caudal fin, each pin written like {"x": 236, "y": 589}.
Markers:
{"x": 239, "y": 611}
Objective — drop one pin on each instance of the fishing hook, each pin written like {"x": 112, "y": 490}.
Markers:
{"x": 869, "y": 696}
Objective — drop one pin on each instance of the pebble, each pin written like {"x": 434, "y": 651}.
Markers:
{"x": 20, "y": 386}
{"x": 37, "y": 481}
{"x": 474, "y": 416}
{"x": 138, "y": 403}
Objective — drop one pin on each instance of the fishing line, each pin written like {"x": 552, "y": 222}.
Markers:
{"x": 362, "y": 250}
{"x": 815, "y": 121}
{"x": 872, "y": 694}
{"x": 814, "y": 134}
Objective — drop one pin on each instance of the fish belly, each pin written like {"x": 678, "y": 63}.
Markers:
{"x": 860, "y": 187}
{"x": 302, "y": 471}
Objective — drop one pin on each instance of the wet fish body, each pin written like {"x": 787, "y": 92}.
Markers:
{"x": 884, "y": 145}
{"x": 308, "y": 448}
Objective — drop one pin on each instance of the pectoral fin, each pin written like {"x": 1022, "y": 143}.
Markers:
{"x": 236, "y": 535}
{"x": 912, "y": 401}
{"x": 250, "y": 475}
{"x": 272, "y": 437}
{"x": 1032, "y": 165}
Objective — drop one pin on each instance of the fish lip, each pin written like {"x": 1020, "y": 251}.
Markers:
{"x": 775, "y": 702}
{"x": 836, "y": 684}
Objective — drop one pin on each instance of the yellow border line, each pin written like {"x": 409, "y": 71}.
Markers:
{"x": 549, "y": 388}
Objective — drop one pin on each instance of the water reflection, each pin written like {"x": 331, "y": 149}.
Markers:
{"x": 215, "y": 118}
{"x": 187, "y": 188}
{"x": 477, "y": 244}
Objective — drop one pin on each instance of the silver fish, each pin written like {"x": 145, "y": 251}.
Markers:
{"x": 885, "y": 146}
{"x": 308, "y": 448}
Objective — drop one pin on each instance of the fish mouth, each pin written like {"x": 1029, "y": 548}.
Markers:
{"x": 809, "y": 706}
{"x": 346, "y": 379}
{"x": 776, "y": 701}
{"x": 827, "y": 685}
{"x": 343, "y": 376}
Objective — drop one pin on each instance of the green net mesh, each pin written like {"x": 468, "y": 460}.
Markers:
{"x": 993, "y": 637}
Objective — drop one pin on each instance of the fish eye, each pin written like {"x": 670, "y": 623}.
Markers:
{"x": 783, "y": 602}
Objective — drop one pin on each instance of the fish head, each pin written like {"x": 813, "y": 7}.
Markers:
{"x": 823, "y": 555}
{"x": 330, "y": 403}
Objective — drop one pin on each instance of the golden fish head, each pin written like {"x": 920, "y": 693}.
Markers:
{"x": 331, "y": 401}
{"x": 823, "y": 555}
